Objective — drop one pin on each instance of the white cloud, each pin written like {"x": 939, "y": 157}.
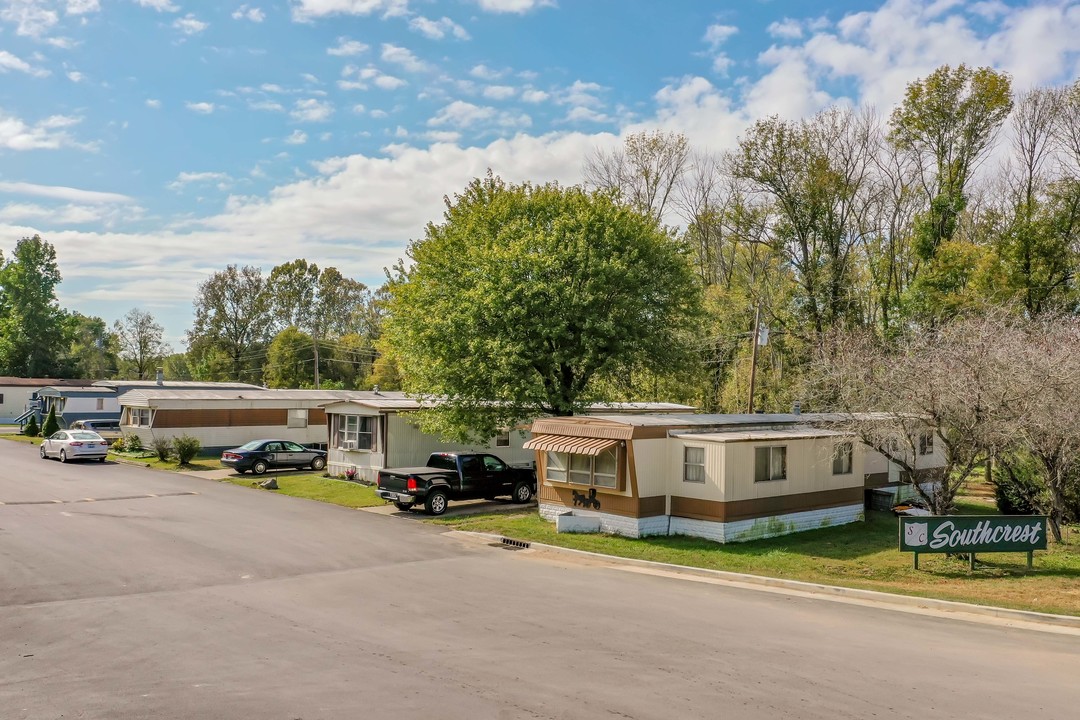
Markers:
{"x": 307, "y": 10}
{"x": 513, "y": 6}
{"x": 359, "y": 109}
{"x": 499, "y": 92}
{"x": 403, "y": 57}
{"x": 159, "y": 5}
{"x": 378, "y": 113}
{"x": 11, "y": 62}
{"x": 203, "y": 108}
{"x": 786, "y": 29}
{"x": 717, "y": 35}
{"x": 222, "y": 180}
{"x": 59, "y": 192}
{"x": 153, "y": 103}
{"x": 75, "y": 76}
{"x": 298, "y": 137}
{"x": 190, "y": 25}
{"x": 584, "y": 114}
{"x": 309, "y": 78}
{"x": 355, "y": 78}
{"x": 443, "y": 136}
{"x": 266, "y": 106}
{"x": 57, "y": 215}
{"x": 437, "y": 29}
{"x": 253, "y": 14}
{"x": 389, "y": 82}
{"x": 311, "y": 110}
{"x": 485, "y": 73}
{"x": 461, "y": 113}
{"x": 347, "y": 47}
{"x": 534, "y": 96}
{"x": 30, "y": 18}
{"x": 582, "y": 93}
{"x": 81, "y": 7}
{"x": 47, "y": 134}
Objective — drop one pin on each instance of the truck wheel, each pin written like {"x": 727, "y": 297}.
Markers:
{"x": 259, "y": 467}
{"x": 435, "y": 504}
{"x": 404, "y": 507}
{"x": 522, "y": 493}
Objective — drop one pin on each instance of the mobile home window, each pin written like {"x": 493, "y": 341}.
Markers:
{"x": 693, "y": 464}
{"x": 139, "y": 417}
{"x": 599, "y": 471}
{"x": 100, "y": 404}
{"x": 298, "y": 418}
{"x": 770, "y": 463}
{"x": 355, "y": 431}
{"x": 502, "y": 439}
{"x": 926, "y": 443}
{"x": 841, "y": 461}
{"x": 556, "y": 467}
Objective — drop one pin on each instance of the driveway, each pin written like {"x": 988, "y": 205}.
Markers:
{"x": 132, "y": 593}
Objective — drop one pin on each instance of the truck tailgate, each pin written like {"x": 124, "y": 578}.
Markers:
{"x": 397, "y": 479}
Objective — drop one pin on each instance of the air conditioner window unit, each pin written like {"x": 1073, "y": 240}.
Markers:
{"x": 348, "y": 445}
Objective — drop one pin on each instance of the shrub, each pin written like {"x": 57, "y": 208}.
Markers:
{"x": 351, "y": 473}
{"x": 163, "y": 448}
{"x": 51, "y": 425}
{"x": 118, "y": 445}
{"x": 1017, "y": 485}
{"x": 187, "y": 447}
{"x": 133, "y": 443}
{"x": 32, "y": 429}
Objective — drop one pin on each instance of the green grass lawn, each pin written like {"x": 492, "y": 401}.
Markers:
{"x": 860, "y": 555}
{"x": 314, "y": 486}
{"x": 17, "y": 437}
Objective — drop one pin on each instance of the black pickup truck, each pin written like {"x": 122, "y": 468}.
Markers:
{"x": 455, "y": 476}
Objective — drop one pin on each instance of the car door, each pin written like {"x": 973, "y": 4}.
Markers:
{"x": 472, "y": 476}
{"x": 274, "y": 454}
{"x": 299, "y": 456}
{"x": 56, "y": 442}
{"x": 497, "y": 476}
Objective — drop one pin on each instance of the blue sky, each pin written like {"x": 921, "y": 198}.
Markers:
{"x": 156, "y": 141}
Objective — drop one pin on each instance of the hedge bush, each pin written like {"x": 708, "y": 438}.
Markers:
{"x": 163, "y": 448}
{"x": 187, "y": 447}
{"x": 51, "y": 425}
{"x": 31, "y": 428}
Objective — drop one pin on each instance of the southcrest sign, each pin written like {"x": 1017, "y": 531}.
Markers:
{"x": 972, "y": 534}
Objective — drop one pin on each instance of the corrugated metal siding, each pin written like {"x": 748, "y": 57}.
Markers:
{"x": 582, "y": 427}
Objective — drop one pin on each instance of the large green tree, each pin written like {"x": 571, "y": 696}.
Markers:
{"x": 320, "y": 303}
{"x": 34, "y": 333}
{"x": 525, "y": 297}
{"x": 947, "y": 124}
{"x": 93, "y": 352}
{"x": 232, "y": 326}
{"x": 142, "y": 346}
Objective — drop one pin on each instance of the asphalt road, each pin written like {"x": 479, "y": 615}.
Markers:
{"x": 224, "y": 602}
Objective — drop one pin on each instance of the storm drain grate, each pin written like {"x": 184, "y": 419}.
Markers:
{"x": 514, "y": 544}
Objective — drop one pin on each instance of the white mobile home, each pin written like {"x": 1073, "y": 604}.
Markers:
{"x": 226, "y": 418}
{"x": 723, "y": 477}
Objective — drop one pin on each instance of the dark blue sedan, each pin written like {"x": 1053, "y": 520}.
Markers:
{"x": 258, "y": 456}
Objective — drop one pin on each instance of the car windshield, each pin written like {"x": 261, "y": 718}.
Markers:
{"x": 85, "y": 436}
{"x": 253, "y": 445}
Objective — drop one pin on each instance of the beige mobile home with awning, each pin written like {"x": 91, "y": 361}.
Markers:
{"x": 723, "y": 477}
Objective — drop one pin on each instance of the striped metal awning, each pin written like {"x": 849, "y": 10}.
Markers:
{"x": 575, "y": 445}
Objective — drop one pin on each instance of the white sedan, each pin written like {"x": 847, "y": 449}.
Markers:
{"x": 74, "y": 445}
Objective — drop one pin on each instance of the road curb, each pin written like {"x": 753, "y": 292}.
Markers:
{"x": 904, "y": 601}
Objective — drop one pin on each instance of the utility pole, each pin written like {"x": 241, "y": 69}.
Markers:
{"x": 753, "y": 359}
